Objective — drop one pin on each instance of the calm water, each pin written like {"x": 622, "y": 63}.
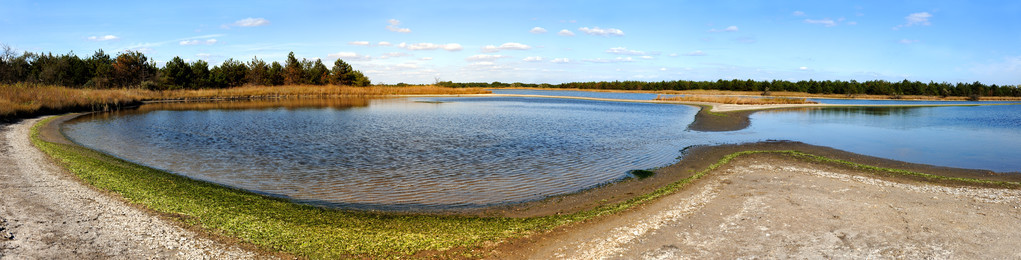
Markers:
{"x": 397, "y": 153}
{"x": 466, "y": 152}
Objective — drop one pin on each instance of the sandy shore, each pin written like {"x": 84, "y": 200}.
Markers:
{"x": 45, "y": 213}
{"x": 765, "y": 206}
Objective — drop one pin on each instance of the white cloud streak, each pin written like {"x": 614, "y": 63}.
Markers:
{"x": 601, "y": 32}
{"x": 359, "y": 43}
{"x": 393, "y": 26}
{"x": 537, "y": 30}
{"x": 103, "y": 38}
{"x": 425, "y": 46}
{"x": 197, "y": 42}
{"x": 825, "y": 21}
{"x": 565, "y": 32}
{"x": 915, "y": 19}
{"x": 506, "y": 46}
{"x": 251, "y": 22}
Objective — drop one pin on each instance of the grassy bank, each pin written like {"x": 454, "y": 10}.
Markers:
{"x": 792, "y": 94}
{"x": 313, "y": 232}
{"x": 23, "y": 100}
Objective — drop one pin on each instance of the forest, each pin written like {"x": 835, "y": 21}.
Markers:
{"x": 849, "y": 88}
{"x": 134, "y": 69}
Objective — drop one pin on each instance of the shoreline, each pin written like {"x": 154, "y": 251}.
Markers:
{"x": 701, "y": 158}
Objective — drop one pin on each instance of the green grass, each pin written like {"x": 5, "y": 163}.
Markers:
{"x": 313, "y": 232}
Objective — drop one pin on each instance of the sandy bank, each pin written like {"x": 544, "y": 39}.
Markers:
{"x": 45, "y": 213}
{"x": 767, "y": 206}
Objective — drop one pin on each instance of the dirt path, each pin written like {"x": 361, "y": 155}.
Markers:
{"x": 766, "y": 206}
{"x": 46, "y": 214}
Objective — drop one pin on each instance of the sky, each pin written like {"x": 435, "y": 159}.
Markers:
{"x": 551, "y": 41}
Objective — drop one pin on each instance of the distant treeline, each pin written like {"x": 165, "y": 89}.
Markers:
{"x": 134, "y": 69}
{"x": 850, "y": 88}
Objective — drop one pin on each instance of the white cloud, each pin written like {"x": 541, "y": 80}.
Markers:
{"x": 673, "y": 55}
{"x": 802, "y": 68}
{"x": 505, "y": 46}
{"x": 565, "y": 32}
{"x": 514, "y": 46}
{"x": 647, "y": 57}
{"x": 826, "y": 21}
{"x": 406, "y": 66}
{"x": 384, "y": 43}
{"x": 907, "y": 41}
{"x": 798, "y": 13}
{"x": 624, "y": 51}
{"x": 695, "y": 53}
{"x": 602, "y": 32}
{"x": 393, "y": 55}
{"x": 103, "y": 38}
{"x": 532, "y": 59}
{"x": 359, "y": 43}
{"x": 347, "y": 56}
{"x": 430, "y": 46}
{"x": 601, "y": 60}
{"x": 426, "y": 58}
{"x": 484, "y": 57}
{"x": 251, "y": 22}
{"x": 393, "y": 26}
{"x": 561, "y": 60}
{"x": 732, "y": 28}
{"x": 537, "y": 30}
{"x": 662, "y": 69}
{"x": 915, "y": 19}
{"x": 197, "y": 42}
{"x": 452, "y": 47}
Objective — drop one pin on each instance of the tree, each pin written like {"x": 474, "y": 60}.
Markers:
{"x": 294, "y": 73}
{"x": 360, "y": 79}
{"x": 341, "y": 74}
{"x": 276, "y": 74}
{"x": 102, "y": 70}
{"x": 229, "y": 74}
{"x": 258, "y": 72}
{"x": 131, "y": 68}
{"x": 200, "y": 74}
{"x": 176, "y": 73}
{"x": 318, "y": 74}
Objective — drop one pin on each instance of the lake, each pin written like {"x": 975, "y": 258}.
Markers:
{"x": 429, "y": 153}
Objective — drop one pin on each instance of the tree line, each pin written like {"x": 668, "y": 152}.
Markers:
{"x": 849, "y": 88}
{"x": 134, "y": 69}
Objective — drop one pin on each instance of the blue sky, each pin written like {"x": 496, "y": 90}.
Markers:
{"x": 552, "y": 41}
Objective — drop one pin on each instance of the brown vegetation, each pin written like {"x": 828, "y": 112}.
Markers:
{"x": 20, "y": 100}
{"x": 736, "y": 100}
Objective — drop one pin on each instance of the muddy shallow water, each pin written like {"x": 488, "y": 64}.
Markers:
{"x": 429, "y": 153}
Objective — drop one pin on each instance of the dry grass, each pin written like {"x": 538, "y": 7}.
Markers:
{"x": 736, "y": 100}
{"x": 783, "y": 94}
{"x": 19, "y": 100}
{"x": 248, "y": 92}
{"x": 25, "y": 99}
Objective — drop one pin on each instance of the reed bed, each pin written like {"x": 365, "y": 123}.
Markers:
{"x": 26, "y": 99}
{"x": 737, "y": 100}
{"x": 21, "y": 100}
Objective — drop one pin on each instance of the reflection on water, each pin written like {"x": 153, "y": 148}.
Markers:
{"x": 397, "y": 153}
{"x": 422, "y": 153}
{"x": 979, "y": 137}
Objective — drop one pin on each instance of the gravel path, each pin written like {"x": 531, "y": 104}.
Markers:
{"x": 47, "y": 214}
{"x": 771, "y": 207}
